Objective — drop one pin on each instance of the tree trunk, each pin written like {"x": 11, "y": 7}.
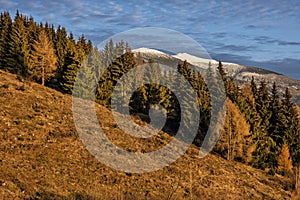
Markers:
{"x": 297, "y": 177}
{"x": 43, "y": 76}
{"x": 230, "y": 140}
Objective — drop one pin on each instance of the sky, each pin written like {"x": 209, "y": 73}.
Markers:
{"x": 256, "y": 33}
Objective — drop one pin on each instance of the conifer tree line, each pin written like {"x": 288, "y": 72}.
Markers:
{"x": 261, "y": 127}
{"x": 151, "y": 94}
{"x": 40, "y": 52}
{"x": 270, "y": 128}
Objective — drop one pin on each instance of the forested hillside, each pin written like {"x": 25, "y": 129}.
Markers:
{"x": 42, "y": 157}
{"x": 40, "y": 52}
{"x": 261, "y": 129}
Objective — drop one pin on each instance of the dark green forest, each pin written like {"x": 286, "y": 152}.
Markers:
{"x": 261, "y": 128}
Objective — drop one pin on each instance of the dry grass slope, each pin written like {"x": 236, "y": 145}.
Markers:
{"x": 43, "y": 158}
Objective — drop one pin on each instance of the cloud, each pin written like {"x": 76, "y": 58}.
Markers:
{"x": 7, "y": 4}
{"x": 219, "y": 35}
{"x": 238, "y": 48}
{"x": 264, "y": 40}
{"x": 269, "y": 40}
{"x": 227, "y": 57}
{"x": 284, "y": 43}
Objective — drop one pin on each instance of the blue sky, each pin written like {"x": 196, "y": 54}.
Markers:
{"x": 256, "y": 33}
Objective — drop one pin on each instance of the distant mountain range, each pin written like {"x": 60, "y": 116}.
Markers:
{"x": 240, "y": 73}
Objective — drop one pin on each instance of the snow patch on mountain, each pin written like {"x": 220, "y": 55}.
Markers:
{"x": 147, "y": 50}
{"x": 194, "y": 60}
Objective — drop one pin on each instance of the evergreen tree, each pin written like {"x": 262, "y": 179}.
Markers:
{"x": 188, "y": 104}
{"x": 86, "y": 82}
{"x": 291, "y": 126}
{"x": 231, "y": 89}
{"x": 246, "y": 103}
{"x": 276, "y": 128}
{"x": 203, "y": 96}
{"x": 111, "y": 76}
{"x": 254, "y": 88}
{"x": 5, "y": 30}
{"x": 32, "y": 33}
{"x": 71, "y": 66}
{"x": 18, "y": 48}
{"x": 264, "y": 155}
{"x": 222, "y": 71}
{"x": 61, "y": 45}
{"x": 262, "y": 105}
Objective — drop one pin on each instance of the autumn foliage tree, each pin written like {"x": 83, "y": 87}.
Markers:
{"x": 284, "y": 160}
{"x": 43, "y": 59}
{"x": 235, "y": 142}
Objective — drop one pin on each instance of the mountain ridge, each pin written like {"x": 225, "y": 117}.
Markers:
{"x": 241, "y": 74}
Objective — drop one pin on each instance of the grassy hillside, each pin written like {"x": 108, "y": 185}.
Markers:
{"x": 42, "y": 157}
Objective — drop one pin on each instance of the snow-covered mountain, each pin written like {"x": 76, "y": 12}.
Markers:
{"x": 240, "y": 73}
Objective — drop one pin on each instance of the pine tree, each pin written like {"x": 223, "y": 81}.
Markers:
{"x": 18, "y": 48}
{"x": 231, "y": 89}
{"x": 189, "y": 106}
{"x": 5, "y": 31}
{"x": 291, "y": 126}
{"x": 264, "y": 156}
{"x": 109, "y": 54}
{"x": 254, "y": 88}
{"x": 32, "y": 32}
{"x": 217, "y": 101}
{"x": 61, "y": 45}
{"x": 275, "y": 130}
{"x": 111, "y": 76}
{"x": 203, "y": 98}
{"x": 262, "y": 105}
{"x": 221, "y": 71}
{"x": 86, "y": 82}
{"x": 71, "y": 65}
{"x": 246, "y": 104}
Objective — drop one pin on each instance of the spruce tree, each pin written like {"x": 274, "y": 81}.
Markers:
{"x": 71, "y": 66}
{"x": 254, "y": 88}
{"x": 111, "y": 76}
{"x": 264, "y": 156}
{"x": 262, "y": 105}
{"x": 291, "y": 126}
{"x": 275, "y": 130}
{"x": 18, "y": 48}
{"x": 61, "y": 45}
{"x": 222, "y": 71}
{"x": 5, "y": 31}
